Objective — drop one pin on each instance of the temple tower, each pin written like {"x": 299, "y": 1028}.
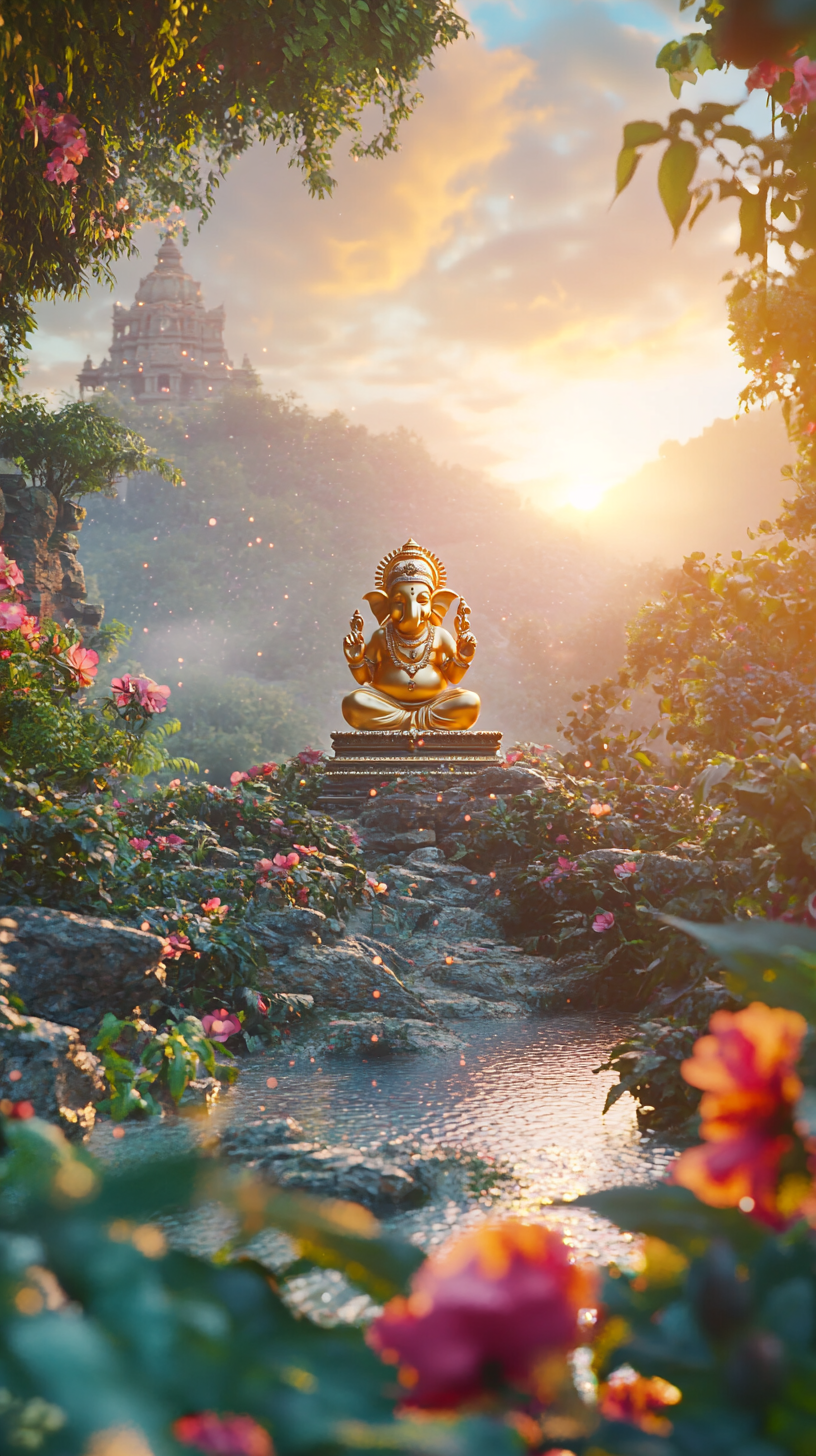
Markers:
{"x": 166, "y": 346}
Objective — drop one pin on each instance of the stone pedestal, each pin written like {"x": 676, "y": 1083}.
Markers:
{"x": 364, "y": 761}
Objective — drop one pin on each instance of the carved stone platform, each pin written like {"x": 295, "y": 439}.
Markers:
{"x": 364, "y": 761}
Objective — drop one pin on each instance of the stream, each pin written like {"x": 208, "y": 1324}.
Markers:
{"x": 521, "y": 1093}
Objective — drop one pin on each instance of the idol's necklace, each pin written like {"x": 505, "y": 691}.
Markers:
{"x": 414, "y": 667}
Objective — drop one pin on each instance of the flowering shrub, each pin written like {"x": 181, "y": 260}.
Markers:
{"x": 61, "y": 131}
{"x": 140, "y": 1061}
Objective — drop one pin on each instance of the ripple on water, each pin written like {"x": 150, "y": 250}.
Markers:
{"x": 521, "y": 1093}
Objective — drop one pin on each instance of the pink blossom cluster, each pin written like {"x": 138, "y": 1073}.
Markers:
{"x": 623, "y": 871}
{"x": 214, "y": 909}
{"x": 277, "y": 868}
{"x": 803, "y": 87}
{"x": 13, "y": 613}
{"x": 310, "y": 756}
{"x": 140, "y": 691}
{"x": 264, "y": 770}
{"x": 175, "y": 946}
{"x": 145, "y": 847}
{"x": 220, "y": 1024}
{"x": 61, "y": 129}
{"x": 565, "y": 867}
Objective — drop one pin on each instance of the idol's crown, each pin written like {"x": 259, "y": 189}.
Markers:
{"x": 410, "y": 562}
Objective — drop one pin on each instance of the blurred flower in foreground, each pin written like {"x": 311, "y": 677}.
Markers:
{"x": 223, "y": 1435}
{"x": 638, "y": 1400}
{"x": 220, "y": 1024}
{"x": 498, "y": 1305}
{"x": 746, "y": 1071}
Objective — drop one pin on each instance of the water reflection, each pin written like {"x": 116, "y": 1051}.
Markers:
{"x": 521, "y": 1092}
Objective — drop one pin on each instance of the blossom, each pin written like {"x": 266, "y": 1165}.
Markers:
{"x": 285, "y": 861}
{"x": 123, "y": 689}
{"x": 306, "y": 848}
{"x": 378, "y": 887}
{"x": 638, "y": 1400}
{"x": 238, "y": 777}
{"x": 12, "y": 615}
{"x": 745, "y": 1069}
{"x": 562, "y": 839}
{"x": 494, "y": 1304}
{"x": 764, "y": 76}
{"x": 599, "y": 810}
{"x": 10, "y": 573}
{"x": 219, "y": 1025}
{"x": 623, "y": 871}
{"x": 83, "y": 662}
{"x": 302, "y": 895}
{"x": 264, "y": 865}
{"x": 223, "y": 1435}
{"x": 168, "y": 841}
{"x": 6, "y": 652}
{"x": 803, "y": 90}
{"x": 604, "y": 920}
{"x": 214, "y": 907}
{"x": 310, "y": 756}
{"x": 513, "y": 756}
{"x": 28, "y": 628}
{"x": 175, "y": 946}
{"x": 38, "y": 119}
{"x": 139, "y": 844}
{"x": 152, "y": 696}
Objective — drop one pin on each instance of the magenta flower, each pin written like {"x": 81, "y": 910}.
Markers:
{"x": 219, "y": 1025}
{"x": 562, "y": 839}
{"x": 123, "y": 689}
{"x": 604, "y": 920}
{"x": 268, "y": 768}
{"x": 83, "y": 663}
{"x": 139, "y": 844}
{"x": 764, "y": 76}
{"x": 152, "y": 696}
{"x": 567, "y": 866}
{"x": 629, "y": 867}
{"x": 223, "y": 1435}
{"x": 803, "y": 90}
{"x": 310, "y": 756}
{"x": 12, "y": 616}
{"x": 238, "y": 777}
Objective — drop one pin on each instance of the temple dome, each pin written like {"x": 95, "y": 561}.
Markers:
{"x": 168, "y": 283}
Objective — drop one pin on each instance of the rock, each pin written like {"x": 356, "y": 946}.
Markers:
{"x": 505, "y": 782}
{"x": 57, "y": 1074}
{"x": 379, "y": 1036}
{"x": 663, "y": 877}
{"x": 73, "y": 968}
{"x": 223, "y": 858}
{"x": 295, "y": 925}
{"x": 343, "y": 976}
{"x": 275, "y": 1150}
{"x": 458, "y": 1006}
{"x": 492, "y": 971}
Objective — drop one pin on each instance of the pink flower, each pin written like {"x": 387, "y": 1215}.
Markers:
{"x": 803, "y": 90}
{"x": 302, "y": 895}
{"x": 28, "y": 627}
{"x": 562, "y": 839}
{"x": 764, "y": 76}
{"x": 83, "y": 662}
{"x": 6, "y": 652}
{"x": 175, "y": 946}
{"x": 513, "y": 757}
{"x": 214, "y": 907}
{"x": 59, "y": 169}
{"x": 219, "y": 1025}
{"x": 238, "y": 777}
{"x": 500, "y": 1305}
{"x": 285, "y": 861}
{"x": 263, "y": 1007}
{"x": 604, "y": 920}
{"x": 310, "y": 756}
{"x": 39, "y": 119}
{"x": 264, "y": 865}
{"x": 152, "y": 696}
{"x": 223, "y": 1435}
{"x": 566, "y": 866}
{"x": 629, "y": 867}
{"x": 599, "y": 810}
{"x": 10, "y": 573}
{"x": 306, "y": 848}
{"x": 139, "y": 844}
{"x": 123, "y": 689}
{"x": 12, "y": 616}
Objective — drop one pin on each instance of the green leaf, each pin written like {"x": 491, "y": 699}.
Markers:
{"x": 677, "y": 169}
{"x": 769, "y": 960}
{"x": 642, "y": 133}
{"x": 752, "y": 223}
{"x": 674, "y": 1215}
{"x": 625, "y": 169}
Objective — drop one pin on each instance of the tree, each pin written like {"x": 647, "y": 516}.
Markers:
{"x": 76, "y": 450}
{"x": 116, "y": 111}
{"x": 772, "y": 303}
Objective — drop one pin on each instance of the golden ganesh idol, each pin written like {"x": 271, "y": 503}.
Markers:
{"x": 410, "y": 670}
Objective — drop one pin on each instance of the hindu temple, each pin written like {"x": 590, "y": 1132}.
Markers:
{"x": 166, "y": 346}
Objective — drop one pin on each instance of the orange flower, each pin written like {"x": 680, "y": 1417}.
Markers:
{"x": 746, "y": 1071}
{"x": 499, "y": 1306}
{"x": 638, "y": 1400}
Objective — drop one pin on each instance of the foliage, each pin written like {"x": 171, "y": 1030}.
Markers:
{"x": 165, "y": 1060}
{"x": 100, "y": 1322}
{"x": 76, "y": 450}
{"x": 243, "y": 721}
{"x": 647, "y": 1065}
{"x": 139, "y": 109}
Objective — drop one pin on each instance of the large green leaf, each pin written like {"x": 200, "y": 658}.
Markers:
{"x": 673, "y": 1214}
{"x": 677, "y": 169}
{"x": 642, "y": 133}
{"x": 768, "y": 960}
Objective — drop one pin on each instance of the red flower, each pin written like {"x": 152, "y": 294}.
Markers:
{"x": 628, "y": 1396}
{"x": 498, "y": 1304}
{"x": 238, "y": 777}
{"x": 310, "y": 756}
{"x": 764, "y": 76}
{"x": 223, "y": 1435}
{"x": 746, "y": 1071}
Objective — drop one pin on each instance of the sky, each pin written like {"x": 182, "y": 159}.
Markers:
{"x": 477, "y": 286}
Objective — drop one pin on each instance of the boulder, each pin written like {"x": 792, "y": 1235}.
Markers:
{"x": 379, "y": 1036}
{"x": 458, "y": 1006}
{"x": 276, "y": 1149}
{"x": 280, "y": 930}
{"x": 48, "y": 1066}
{"x": 488, "y": 970}
{"x": 73, "y": 968}
{"x": 344, "y": 976}
{"x": 505, "y": 782}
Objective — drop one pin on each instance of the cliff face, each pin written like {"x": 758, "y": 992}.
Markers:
{"x": 39, "y": 534}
